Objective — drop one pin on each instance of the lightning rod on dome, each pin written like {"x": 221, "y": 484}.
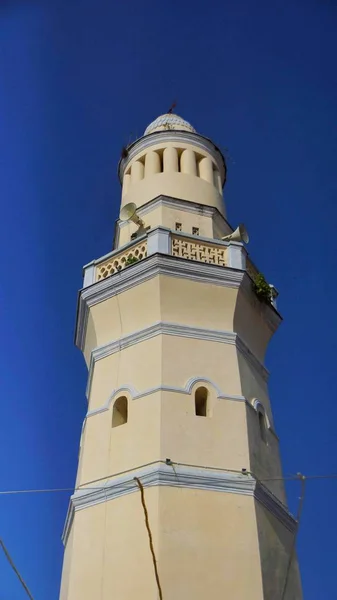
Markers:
{"x": 172, "y": 107}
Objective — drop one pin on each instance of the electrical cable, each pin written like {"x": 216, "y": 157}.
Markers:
{"x": 295, "y": 477}
{"x": 146, "y": 515}
{"x": 92, "y": 488}
{"x": 11, "y": 562}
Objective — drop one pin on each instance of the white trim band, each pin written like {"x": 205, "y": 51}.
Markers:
{"x": 181, "y": 476}
{"x": 175, "y": 329}
{"x": 135, "y": 395}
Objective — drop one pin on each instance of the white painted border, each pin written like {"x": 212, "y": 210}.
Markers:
{"x": 174, "y": 329}
{"x": 259, "y": 407}
{"x": 187, "y": 389}
{"x": 182, "y": 476}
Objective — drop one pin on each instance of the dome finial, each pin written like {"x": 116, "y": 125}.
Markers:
{"x": 172, "y": 107}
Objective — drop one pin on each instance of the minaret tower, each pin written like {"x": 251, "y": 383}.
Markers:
{"x": 174, "y": 337}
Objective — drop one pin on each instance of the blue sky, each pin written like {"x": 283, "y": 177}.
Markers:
{"x": 77, "y": 81}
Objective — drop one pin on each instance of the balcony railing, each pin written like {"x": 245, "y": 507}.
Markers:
{"x": 200, "y": 251}
{"x": 164, "y": 241}
{"x": 119, "y": 260}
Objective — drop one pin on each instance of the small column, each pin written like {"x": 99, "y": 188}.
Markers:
{"x": 152, "y": 163}
{"x": 217, "y": 181}
{"x": 188, "y": 163}
{"x": 236, "y": 256}
{"x": 126, "y": 184}
{"x": 89, "y": 275}
{"x": 158, "y": 240}
{"x": 170, "y": 160}
{"x": 137, "y": 171}
{"x": 206, "y": 169}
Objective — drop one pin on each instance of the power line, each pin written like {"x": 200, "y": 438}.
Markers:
{"x": 295, "y": 477}
{"x": 102, "y": 487}
{"x": 10, "y": 560}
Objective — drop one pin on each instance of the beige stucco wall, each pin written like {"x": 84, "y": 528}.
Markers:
{"x": 161, "y": 422}
{"x": 110, "y": 557}
{"x": 177, "y": 185}
{"x": 204, "y": 542}
{"x": 217, "y": 441}
{"x": 126, "y": 313}
{"x": 251, "y": 322}
{"x": 179, "y": 175}
{"x": 275, "y": 543}
{"x": 168, "y": 217}
{"x": 107, "y": 450}
{"x": 182, "y": 301}
{"x": 66, "y": 570}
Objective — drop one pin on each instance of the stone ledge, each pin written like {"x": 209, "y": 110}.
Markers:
{"x": 181, "y": 476}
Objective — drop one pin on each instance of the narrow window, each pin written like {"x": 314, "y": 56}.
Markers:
{"x": 120, "y": 412}
{"x": 195, "y": 230}
{"x": 201, "y": 402}
{"x": 179, "y": 227}
{"x": 262, "y": 426}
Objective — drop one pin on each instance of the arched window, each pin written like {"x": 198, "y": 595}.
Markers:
{"x": 200, "y": 399}
{"x": 262, "y": 426}
{"x": 120, "y": 412}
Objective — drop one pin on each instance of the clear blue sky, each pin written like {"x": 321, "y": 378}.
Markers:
{"x": 77, "y": 80}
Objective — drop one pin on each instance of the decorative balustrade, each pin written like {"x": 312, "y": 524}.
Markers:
{"x": 118, "y": 262}
{"x": 161, "y": 240}
{"x": 200, "y": 251}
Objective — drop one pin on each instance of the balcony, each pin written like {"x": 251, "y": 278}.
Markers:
{"x": 165, "y": 241}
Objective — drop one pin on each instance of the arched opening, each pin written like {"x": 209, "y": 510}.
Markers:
{"x": 120, "y": 412}
{"x": 262, "y": 426}
{"x": 200, "y": 399}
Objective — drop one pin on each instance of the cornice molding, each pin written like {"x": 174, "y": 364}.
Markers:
{"x": 174, "y": 329}
{"x": 146, "y": 269}
{"x": 219, "y": 221}
{"x": 180, "y": 204}
{"x": 181, "y": 476}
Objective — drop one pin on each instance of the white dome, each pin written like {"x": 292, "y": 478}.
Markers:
{"x": 169, "y": 122}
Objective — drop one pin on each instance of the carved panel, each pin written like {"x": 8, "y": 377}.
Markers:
{"x": 207, "y": 253}
{"x": 120, "y": 261}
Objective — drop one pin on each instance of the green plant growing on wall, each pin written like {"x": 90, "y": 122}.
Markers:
{"x": 131, "y": 260}
{"x": 262, "y": 288}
